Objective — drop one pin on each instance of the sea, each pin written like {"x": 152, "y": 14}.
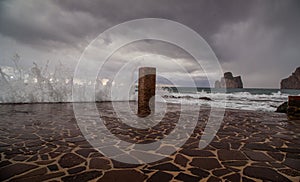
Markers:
{"x": 257, "y": 99}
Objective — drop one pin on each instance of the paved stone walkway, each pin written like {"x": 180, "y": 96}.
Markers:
{"x": 43, "y": 142}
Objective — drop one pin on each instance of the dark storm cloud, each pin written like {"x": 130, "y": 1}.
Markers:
{"x": 73, "y": 22}
{"x": 258, "y": 39}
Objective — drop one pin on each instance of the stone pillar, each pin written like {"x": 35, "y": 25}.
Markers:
{"x": 293, "y": 110}
{"x": 146, "y": 91}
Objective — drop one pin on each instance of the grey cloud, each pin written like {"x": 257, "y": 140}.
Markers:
{"x": 258, "y": 39}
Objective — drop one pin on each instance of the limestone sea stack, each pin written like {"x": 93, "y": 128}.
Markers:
{"x": 228, "y": 81}
{"x": 292, "y": 82}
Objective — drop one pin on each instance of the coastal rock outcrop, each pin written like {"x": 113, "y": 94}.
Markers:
{"x": 229, "y": 81}
{"x": 292, "y": 82}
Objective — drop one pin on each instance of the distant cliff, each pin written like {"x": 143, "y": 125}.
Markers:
{"x": 228, "y": 81}
{"x": 292, "y": 82}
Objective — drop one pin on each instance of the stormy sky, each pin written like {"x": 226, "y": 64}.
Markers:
{"x": 258, "y": 40}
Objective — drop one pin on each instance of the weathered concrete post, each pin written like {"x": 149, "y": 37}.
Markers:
{"x": 146, "y": 91}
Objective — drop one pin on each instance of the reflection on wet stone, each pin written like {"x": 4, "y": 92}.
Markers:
{"x": 250, "y": 146}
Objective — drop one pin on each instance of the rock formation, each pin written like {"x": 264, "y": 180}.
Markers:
{"x": 228, "y": 81}
{"x": 292, "y": 82}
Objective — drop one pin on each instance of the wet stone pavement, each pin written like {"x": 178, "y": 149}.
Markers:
{"x": 43, "y": 142}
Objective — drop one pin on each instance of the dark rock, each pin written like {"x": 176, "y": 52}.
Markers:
{"x": 228, "y": 81}
{"x": 264, "y": 174}
{"x": 205, "y": 163}
{"x": 282, "y": 108}
{"x": 70, "y": 160}
{"x": 292, "y": 82}
{"x": 186, "y": 177}
{"x": 86, "y": 176}
{"x": 122, "y": 175}
{"x": 205, "y": 98}
{"x": 160, "y": 176}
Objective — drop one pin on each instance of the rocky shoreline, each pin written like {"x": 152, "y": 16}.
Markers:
{"x": 43, "y": 142}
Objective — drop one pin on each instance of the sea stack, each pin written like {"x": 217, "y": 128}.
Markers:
{"x": 292, "y": 82}
{"x": 229, "y": 81}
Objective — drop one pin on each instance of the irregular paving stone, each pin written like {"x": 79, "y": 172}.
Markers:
{"x": 85, "y": 152}
{"x": 290, "y": 172}
{"x": 75, "y": 139}
{"x": 98, "y": 163}
{"x": 14, "y": 169}
{"x": 257, "y": 156}
{"x": 111, "y": 151}
{"x": 233, "y": 177}
{"x": 293, "y": 155}
{"x": 235, "y": 163}
{"x": 165, "y": 167}
{"x": 117, "y": 164}
{"x": 220, "y": 145}
{"x": 122, "y": 175}
{"x": 160, "y": 176}
{"x": 20, "y": 158}
{"x": 4, "y": 163}
{"x": 259, "y": 146}
{"x": 149, "y": 146}
{"x": 231, "y": 155}
{"x": 264, "y": 174}
{"x": 181, "y": 160}
{"x": 213, "y": 179}
{"x": 43, "y": 177}
{"x": 53, "y": 167}
{"x": 199, "y": 172}
{"x": 86, "y": 176}
{"x": 205, "y": 163}
{"x": 76, "y": 169}
{"x": 44, "y": 162}
{"x": 33, "y": 158}
{"x": 197, "y": 153}
{"x": 245, "y": 179}
{"x": 145, "y": 156}
{"x": 186, "y": 177}
{"x": 126, "y": 159}
{"x": 166, "y": 150}
{"x": 276, "y": 155}
{"x": 290, "y": 150}
{"x": 221, "y": 172}
{"x": 293, "y": 163}
{"x": 70, "y": 160}
{"x": 36, "y": 172}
